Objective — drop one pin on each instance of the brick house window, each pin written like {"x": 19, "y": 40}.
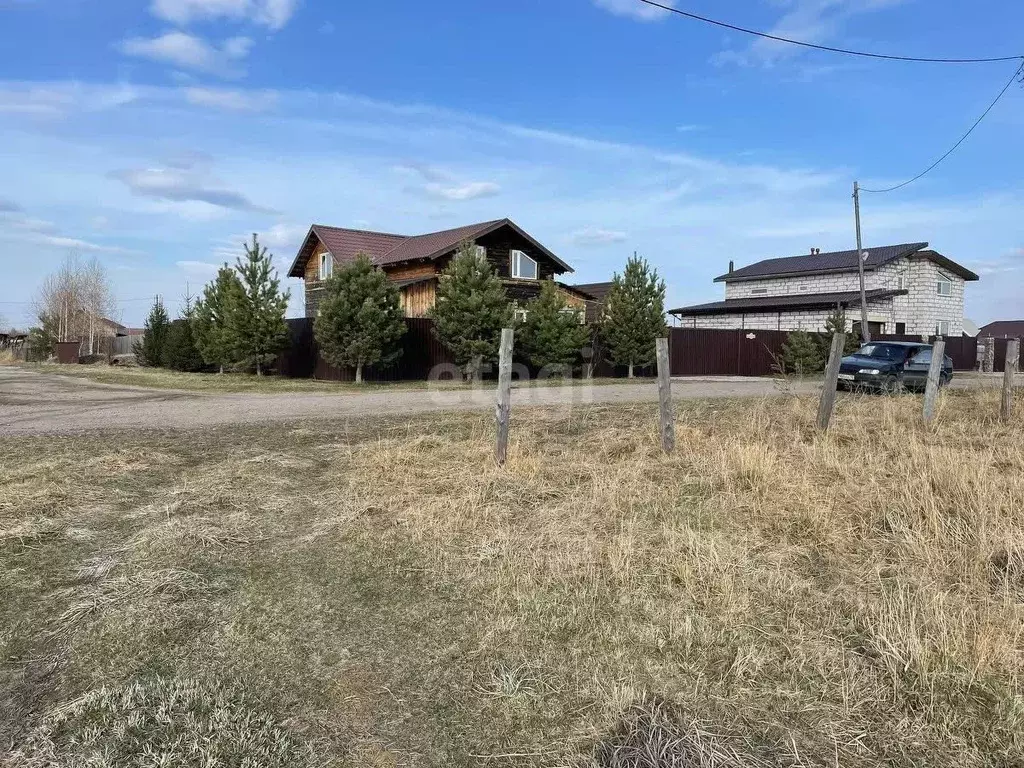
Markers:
{"x": 759, "y": 291}
{"x": 944, "y": 286}
{"x": 523, "y": 266}
{"x": 942, "y": 328}
{"x": 326, "y": 265}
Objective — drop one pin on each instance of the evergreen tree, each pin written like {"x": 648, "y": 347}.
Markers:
{"x": 42, "y": 338}
{"x": 801, "y": 354}
{"x": 211, "y": 325}
{"x": 634, "y": 315}
{"x": 360, "y": 320}
{"x": 180, "y": 351}
{"x": 255, "y": 319}
{"x": 836, "y": 323}
{"x": 150, "y": 351}
{"x": 471, "y": 309}
{"x": 552, "y": 333}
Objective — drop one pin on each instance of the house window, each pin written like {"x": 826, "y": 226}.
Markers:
{"x": 520, "y": 315}
{"x": 901, "y": 283}
{"x": 945, "y": 286}
{"x": 326, "y": 265}
{"x": 901, "y": 329}
{"x": 942, "y": 328}
{"x": 523, "y": 266}
{"x": 481, "y": 252}
{"x": 758, "y": 291}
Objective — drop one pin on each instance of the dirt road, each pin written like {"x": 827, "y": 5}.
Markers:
{"x": 37, "y": 403}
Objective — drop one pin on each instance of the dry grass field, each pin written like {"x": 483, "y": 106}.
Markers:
{"x": 383, "y": 595}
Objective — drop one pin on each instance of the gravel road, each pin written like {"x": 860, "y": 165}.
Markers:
{"x": 38, "y": 404}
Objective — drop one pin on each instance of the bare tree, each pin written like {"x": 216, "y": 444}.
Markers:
{"x": 75, "y": 299}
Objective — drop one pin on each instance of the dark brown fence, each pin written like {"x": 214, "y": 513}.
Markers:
{"x": 706, "y": 352}
{"x": 421, "y": 351}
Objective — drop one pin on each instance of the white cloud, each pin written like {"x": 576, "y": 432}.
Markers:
{"x": 635, "y": 9}
{"x": 185, "y": 180}
{"x": 443, "y": 185}
{"x": 469, "y": 191}
{"x": 274, "y": 14}
{"x": 232, "y": 100}
{"x": 592, "y": 236}
{"x": 190, "y": 52}
{"x": 812, "y": 21}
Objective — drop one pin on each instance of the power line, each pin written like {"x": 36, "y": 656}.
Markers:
{"x": 830, "y": 49}
{"x": 933, "y": 166}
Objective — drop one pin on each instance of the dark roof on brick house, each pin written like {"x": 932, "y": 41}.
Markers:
{"x": 840, "y": 261}
{"x": 596, "y": 291}
{"x": 1003, "y": 329}
{"x": 386, "y": 249}
{"x": 785, "y": 303}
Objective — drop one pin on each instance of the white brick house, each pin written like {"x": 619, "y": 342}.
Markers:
{"x": 910, "y": 290}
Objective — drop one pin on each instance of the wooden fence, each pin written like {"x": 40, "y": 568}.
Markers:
{"x": 421, "y": 352}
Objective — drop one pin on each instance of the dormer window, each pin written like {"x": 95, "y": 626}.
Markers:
{"x": 326, "y": 265}
{"x": 523, "y": 267}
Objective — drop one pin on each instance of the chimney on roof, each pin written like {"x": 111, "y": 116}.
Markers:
{"x": 730, "y": 266}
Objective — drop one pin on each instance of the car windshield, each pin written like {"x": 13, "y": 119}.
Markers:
{"x": 883, "y": 351}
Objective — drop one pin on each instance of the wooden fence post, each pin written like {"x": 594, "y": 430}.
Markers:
{"x": 828, "y": 392}
{"x": 504, "y": 404}
{"x": 667, "y": 418}
{"x": 931, "y": 388}
{"x": 1009, "y": 369}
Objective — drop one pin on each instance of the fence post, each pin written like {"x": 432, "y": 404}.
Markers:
{"x": 504, "y": 404}
{"x": 931, "y": 388}
{"x": 828, "y": 392}
{"x": 988, "y": 362}
{"x": 1009, "y": 369}
{"x": 667, "y": 419}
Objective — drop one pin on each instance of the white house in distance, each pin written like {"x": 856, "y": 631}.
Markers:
{"x": 910, "y": 290}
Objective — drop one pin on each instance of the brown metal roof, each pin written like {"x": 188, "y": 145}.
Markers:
{"x": 384, "y": 248}
{"x": 596, "y": 291}
{"x": 794, "y": 302}
{"x": 1003, "y": 329}
{"x": 840, "y": 261}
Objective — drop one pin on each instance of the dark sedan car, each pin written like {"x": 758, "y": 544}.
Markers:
{"x": 891, "y": 366}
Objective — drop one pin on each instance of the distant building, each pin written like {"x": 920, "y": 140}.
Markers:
{"x": 909, "y": 290}
{"x": 1003, "y": 329}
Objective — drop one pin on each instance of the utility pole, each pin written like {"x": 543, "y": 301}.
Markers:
{"x": 865, "y": 333}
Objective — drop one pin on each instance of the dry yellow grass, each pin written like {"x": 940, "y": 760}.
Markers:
{"x": 770, "y": 595}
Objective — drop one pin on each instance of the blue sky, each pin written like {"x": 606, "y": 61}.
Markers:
{"x": 156, "y": 134}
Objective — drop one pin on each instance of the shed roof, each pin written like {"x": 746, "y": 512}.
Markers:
{"x": 788, "y": 302}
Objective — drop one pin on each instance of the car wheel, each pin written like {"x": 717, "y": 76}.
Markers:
{"x": 944, "y": 380}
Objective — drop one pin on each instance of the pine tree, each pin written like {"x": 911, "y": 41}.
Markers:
{"x": 801, "y": 354}
{"x": 471, "y": 309}
{"x": 836, "y": 323}
{"x": 634, "y": 315}
{"x": 180, "y": 351}
{"x": 360, "y": 320}
{"x": 150, "y": 351}
{"x": 211, "y": 323}
{"x": 255, "y": 321}
{"x": 552, "y": 333}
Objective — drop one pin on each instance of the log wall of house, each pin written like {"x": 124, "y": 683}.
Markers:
{"x": 410, "y": 271}
{"x": 418, "y": 298}
{"x": 314, "y": 286}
